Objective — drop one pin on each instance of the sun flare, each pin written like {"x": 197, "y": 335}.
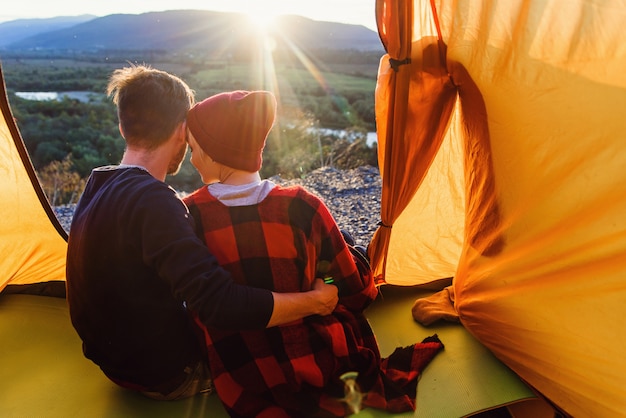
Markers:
{"x": 262, "y": 19}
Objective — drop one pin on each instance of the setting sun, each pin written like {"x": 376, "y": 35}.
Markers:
{"x": 262, "y": 18}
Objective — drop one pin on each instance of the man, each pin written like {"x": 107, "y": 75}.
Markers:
{"x": 134, "y": 263}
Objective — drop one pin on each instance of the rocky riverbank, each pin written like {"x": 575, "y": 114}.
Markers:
{"x": 352, "y": 196}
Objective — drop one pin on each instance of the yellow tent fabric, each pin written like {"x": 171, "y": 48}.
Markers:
{"x": 33, "y": 243}
{"x": 523, "y": 196}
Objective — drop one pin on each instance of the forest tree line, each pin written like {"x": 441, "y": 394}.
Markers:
{"x": 66, "y": 139}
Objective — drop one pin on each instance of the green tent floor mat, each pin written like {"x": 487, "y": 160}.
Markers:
{"x": 43, "y": 372}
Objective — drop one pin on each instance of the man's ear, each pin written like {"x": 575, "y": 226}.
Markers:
{"x": 181, "y": 132}
{"x": 119, "y": 125}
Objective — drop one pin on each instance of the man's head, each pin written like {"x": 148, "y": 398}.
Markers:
{"x": 232, "y": 127}
{"x": 151, "y": 104}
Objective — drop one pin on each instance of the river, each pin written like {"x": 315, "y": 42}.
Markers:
{"x": 81, "y": 96}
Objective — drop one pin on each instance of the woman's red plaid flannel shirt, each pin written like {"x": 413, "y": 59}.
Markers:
{"x": 282, "y": 244}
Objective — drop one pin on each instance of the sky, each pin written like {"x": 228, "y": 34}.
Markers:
{"x": 359, "y": 12}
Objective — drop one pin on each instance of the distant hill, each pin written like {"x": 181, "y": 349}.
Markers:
{"x": 184, "y": 30}
{"x": 16, "y": 30}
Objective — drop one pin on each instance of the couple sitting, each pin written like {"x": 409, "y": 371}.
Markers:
{"x": 276, "y": 343}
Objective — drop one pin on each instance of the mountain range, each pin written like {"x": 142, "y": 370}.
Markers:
{"x": 178, "y": 30}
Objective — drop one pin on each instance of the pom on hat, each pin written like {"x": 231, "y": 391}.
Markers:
{"x": 232, "y": 127}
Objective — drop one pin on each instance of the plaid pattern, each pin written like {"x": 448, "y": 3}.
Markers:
{"x": 283, "y": 244}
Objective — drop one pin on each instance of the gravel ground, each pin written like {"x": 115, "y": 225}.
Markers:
{"x": 352, "y": 196}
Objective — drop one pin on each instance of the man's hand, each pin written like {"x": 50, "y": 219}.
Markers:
{"x": 288, "y": 307}
{"x": 327, "y": 296}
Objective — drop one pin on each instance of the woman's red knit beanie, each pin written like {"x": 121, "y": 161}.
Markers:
{"x": 232, "y": 127}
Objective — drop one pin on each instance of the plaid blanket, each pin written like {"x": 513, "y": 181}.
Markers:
{"x": 294, "y": 370}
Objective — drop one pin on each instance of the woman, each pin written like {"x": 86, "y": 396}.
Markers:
{"x": 258, "y": 229}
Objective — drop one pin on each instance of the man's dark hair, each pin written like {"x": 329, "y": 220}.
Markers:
{"x": 150, "y": 104}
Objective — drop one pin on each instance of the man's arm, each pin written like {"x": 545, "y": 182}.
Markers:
{"x": 290, "y": 307}
{"x": 183, "y": 260}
